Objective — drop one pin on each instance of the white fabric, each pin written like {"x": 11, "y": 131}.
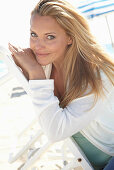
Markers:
{"x": 96, "y": 123}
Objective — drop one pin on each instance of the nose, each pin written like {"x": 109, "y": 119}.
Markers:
{"x": 39, "y": 44}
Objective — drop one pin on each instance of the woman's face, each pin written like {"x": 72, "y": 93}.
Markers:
{"x": 48, "y": 40}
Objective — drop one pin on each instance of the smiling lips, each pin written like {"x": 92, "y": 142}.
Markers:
{"x": 42, "y": 54}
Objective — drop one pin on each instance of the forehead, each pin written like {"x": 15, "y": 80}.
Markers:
{"x": 47, "y": 23}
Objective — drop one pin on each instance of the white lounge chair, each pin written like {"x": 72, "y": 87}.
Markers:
{"x": 6, "y": 74}
{"x": 69, "y": 153}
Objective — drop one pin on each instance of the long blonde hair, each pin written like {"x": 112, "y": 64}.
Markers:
{"x": 84, "y": 58}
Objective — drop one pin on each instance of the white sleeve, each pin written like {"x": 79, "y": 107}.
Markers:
{"x": 58, "y": 123}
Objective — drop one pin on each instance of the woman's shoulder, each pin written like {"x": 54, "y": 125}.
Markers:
{"x": 89, "y": 98}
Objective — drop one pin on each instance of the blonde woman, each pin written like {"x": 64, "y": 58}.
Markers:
{"x": 71, "y": 80}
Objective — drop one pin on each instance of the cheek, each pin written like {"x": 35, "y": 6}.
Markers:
{"x": 30, "y": 42}
{"x": 58, "y": 46}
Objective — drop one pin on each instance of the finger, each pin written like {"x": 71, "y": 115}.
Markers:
{"x": 20, "y": 49}
{"x": 12, "y": 49}
{"x": 10, "y": 45}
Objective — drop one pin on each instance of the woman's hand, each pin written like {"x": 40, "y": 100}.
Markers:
{"x": 25, "y": 59}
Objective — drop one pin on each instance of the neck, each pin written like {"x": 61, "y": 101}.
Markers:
{"x": 57, "y": 75}
{"x": 57, "y": 69}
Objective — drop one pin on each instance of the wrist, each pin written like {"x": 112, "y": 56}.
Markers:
{"x": 37, "y": 75}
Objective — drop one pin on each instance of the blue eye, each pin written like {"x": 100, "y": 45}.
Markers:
{"x": 50, "y": 37}
{"x": 33, "y": 34}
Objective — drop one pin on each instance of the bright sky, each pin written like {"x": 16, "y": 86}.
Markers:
{"x": 14, "y": 21}
{"x": 15, "y": 17}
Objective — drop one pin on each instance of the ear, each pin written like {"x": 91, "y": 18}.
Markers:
{"x": 69, "y": 40}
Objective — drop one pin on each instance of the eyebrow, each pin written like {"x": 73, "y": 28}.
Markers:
{"x": 50, "y": 33}
{"x": 45, "y": 33}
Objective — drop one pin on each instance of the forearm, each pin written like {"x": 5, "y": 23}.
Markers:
{"x": 37, "y": 74}
{"x": 58, "y": 123}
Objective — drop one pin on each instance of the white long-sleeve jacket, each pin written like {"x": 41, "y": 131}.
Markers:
{"x": 96, "y": 124}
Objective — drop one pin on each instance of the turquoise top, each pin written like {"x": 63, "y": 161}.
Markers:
{"x": 96, "y": 157}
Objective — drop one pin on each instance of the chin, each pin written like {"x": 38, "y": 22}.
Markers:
{"x": 43, "y": 63}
